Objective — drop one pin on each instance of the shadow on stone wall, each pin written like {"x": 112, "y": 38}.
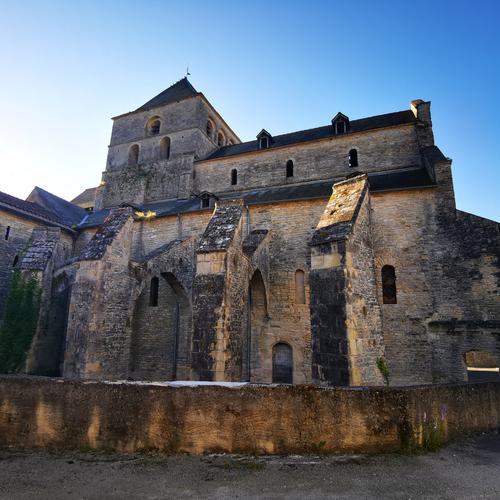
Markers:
{"x": 130, "y": 417}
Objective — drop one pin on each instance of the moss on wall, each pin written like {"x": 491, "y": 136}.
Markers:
{"x": 20, "y": 320}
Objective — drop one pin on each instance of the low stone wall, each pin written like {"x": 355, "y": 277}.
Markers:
{"x": 59, "y": 414}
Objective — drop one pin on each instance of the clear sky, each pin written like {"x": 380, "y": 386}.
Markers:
{"x": 67, "y": 67}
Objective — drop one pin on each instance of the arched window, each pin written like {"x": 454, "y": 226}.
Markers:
{"x": 282, "y": 364}
{"x": 16, "y": 260}
{"x": 153, "y": 291}
{"x": 165, "y": 148}
{"x": 7, "y": 232}
{"x": 153, "y": 126}
{"x": 389, "y": 285}
{"x": 289, "y": 168}
{"x": 234, "y": 177}
{"x": 300, "y": 290}
{"x": 210, "y": 128}
{"x": 220, "y": 139}
{"x": 353, "y": 158}
{"x": 133, "y": 154}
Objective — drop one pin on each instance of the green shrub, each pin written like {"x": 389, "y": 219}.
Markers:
{"x": 19, "y": 324}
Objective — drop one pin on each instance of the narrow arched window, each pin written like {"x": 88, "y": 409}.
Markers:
{"x": 234, "y": 177}
{"x": 153, "y": 291}
{"x": 220, "y": 139}
{"x": 300, "y": 288}
{"x": 289, "y": 168}
{"x": 282, "y": 364}
{"x": 133, "y": 154}
{"x": 16, "y": 260}
{"x": 389, "y": 285}
{"x": 165, "y": 148}
{"x": 210, "y": 128}
{"x": 154, "y": 128}
{"x": 7, "y": 232}
{"x": 353, "y": 158}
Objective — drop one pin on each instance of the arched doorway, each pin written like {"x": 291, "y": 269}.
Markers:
{"x": 161, "y": 329}
{"x": 282, "y": 364}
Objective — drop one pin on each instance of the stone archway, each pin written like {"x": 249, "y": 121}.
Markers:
{"x": 161, "y": 330}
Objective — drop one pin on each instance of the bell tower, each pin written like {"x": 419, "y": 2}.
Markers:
{"x": 153, "y": 148}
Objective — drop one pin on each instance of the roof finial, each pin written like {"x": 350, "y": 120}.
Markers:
{"x": 187, "y": 72}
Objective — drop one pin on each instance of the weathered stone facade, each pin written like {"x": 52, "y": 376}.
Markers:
{"x": 333, "y": 256}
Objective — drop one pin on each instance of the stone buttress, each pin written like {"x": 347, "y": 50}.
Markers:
{"x": 220, "y": 290}
{"x": 346, "y": 320}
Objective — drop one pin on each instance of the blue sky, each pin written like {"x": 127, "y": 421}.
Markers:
{"x": 67, "y": 67}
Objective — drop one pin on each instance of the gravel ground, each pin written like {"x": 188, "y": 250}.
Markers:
{"x": 469, "y": 468}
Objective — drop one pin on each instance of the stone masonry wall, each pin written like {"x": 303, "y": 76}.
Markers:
{"x": 363, "y": 315}
{"x": 378, "y": 150}
{"x": 99, "y": 322}
{"x": 66, "y": 415}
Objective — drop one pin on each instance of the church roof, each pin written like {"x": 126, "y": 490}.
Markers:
{"x": 67, "y": 213}
{"x": 379, "y": 121}
{"x": 85, "y": 198}
{"x": 393, "y": 180}
{"x": 29, "y": 209}
{"x": 176, "y": 92}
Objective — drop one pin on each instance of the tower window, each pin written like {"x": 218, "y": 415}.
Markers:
{"x": 289, "y": 168}
{"x": 153, "y": 291}
{"x": 389, "y": 285}
{"x": 220, "y": 139}
{"x": 340, "y": 127}
{"x": 210, "y": 128}
{"x": 155, "y": 127}
{"x": 353, "y": 158}
{"x": 16, "y": 260}
{"x": 133, "y": 154}
{"x": 234, "y": 177}
{"x": 7, "y": 232}
{"x": 165, "y": 148}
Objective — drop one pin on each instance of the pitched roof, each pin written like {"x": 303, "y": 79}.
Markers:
{"x": 67, "y": 213}
{"x": 85, "y": 198}
{"x": 373, "y": 122}
{"x": 28, "y": 208}
{"x": 405, "y": 178}
{"x": 179, "y": 90}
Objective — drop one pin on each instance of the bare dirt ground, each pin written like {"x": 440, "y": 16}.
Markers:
{"x": 469, "y": 468}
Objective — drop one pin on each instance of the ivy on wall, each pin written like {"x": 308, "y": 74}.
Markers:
{"x": 20, "y": 320}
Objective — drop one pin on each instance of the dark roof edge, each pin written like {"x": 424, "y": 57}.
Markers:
{"x": 293, "y": 144}
{"x": 30, "y": 215}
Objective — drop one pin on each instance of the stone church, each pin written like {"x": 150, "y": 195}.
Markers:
{"x": 332, "y": 256}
